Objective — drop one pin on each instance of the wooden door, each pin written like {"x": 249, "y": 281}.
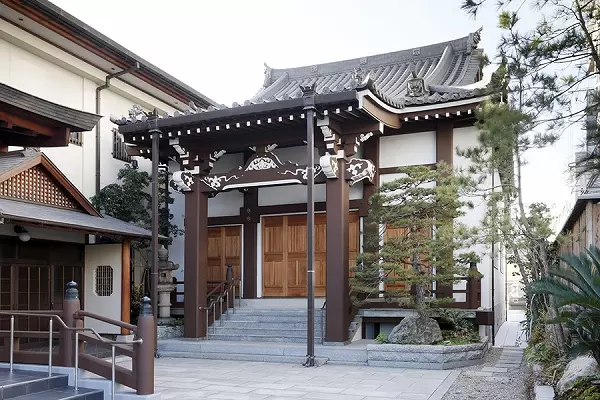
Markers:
{"x": 224, "y": 248}
{"x": 285, "y": 254}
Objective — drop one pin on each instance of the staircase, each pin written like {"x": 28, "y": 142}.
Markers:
{"x": 285, "y": 325}
{"x": 25, "y": 385}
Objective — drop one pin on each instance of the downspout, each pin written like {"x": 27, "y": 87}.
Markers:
{"x": 98, "y": 132}
{"x": 493, "y": 272}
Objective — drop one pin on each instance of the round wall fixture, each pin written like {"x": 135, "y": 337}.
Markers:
{"x": 24, "y": 236}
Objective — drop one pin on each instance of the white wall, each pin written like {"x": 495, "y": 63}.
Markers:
{"x": 35, "y": 66}
{"x": 408, "y": 149}
{"x": 464, "y": 138}
{"x": 108, "y": 306}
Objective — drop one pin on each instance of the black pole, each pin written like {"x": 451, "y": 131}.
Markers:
{"x": 309, "y": 107}
{"x": 155, "y": 134}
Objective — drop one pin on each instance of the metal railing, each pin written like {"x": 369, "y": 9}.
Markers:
{"x": 223, "y": 292}
{"x": 64, "y": 326}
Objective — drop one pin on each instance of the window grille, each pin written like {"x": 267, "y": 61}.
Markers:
{"x": 76, "y": 138}
{"x": 103, "y": 280}
{"x": 119, "y": 147}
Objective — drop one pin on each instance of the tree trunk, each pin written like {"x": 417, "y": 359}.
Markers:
{"x": 419, "y": 287}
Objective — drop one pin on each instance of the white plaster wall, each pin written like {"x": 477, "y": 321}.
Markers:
{"x": 45, "y": 234}
{"x": 35, "y": 66}
{"x": 108, "y": 306}
{"x": 291, "y": 194}
{"x": 408, "y": 149}
{"x": 464, "y": 138}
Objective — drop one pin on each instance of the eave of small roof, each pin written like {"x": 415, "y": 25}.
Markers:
{"x": 75, "y": 120}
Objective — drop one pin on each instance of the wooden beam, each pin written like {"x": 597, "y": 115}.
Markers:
{"x": 125, "y": 283}
{"x": 26, "y": 123}
{"x": 388, "y": 118}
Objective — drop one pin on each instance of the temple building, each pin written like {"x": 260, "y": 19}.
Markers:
{"x": 241, "y": 172}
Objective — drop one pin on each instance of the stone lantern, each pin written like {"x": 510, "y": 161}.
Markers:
{"x": 165, "y": 282}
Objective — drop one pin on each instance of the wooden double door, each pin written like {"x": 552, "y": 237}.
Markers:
{"x": 224, "y": 248}
{"x": 284, "y": 258}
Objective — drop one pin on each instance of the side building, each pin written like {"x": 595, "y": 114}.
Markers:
{"x": 52, "y": 60}
{"x": 242, "y": 169}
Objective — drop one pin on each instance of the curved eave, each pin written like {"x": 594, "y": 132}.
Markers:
{"x": 393, "y": 116}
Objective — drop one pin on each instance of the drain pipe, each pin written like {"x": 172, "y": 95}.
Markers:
{"x": 98, "y": 132}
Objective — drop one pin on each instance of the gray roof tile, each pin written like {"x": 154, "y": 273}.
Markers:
{"x": 76, "y": 120}
{"x": 446, "y": 69}
{"x": 13, "y": 159}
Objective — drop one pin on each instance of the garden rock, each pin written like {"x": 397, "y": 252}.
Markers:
{"x": 580, "y": 367}
{"x": 416, "y": 330}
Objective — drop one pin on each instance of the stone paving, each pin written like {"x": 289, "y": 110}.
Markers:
{"x": 509, "y": 359}
{"x": 186, "y": 379}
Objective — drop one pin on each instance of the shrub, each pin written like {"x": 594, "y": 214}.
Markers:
{"x": 382, "y": 338}
{"x": 462, "y": 330}
{"x": 575, "y": 284}
{"x": 583, "y": 389}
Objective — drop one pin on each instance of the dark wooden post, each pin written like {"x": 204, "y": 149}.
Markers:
{"x": 125, "y": 283}
{"x": 444, "y": 152}
{"x": 144, "y": 352}
{"x": 71, "y": 305}
{"x": 338, "y": 204}
{"x": 195, "y": 277}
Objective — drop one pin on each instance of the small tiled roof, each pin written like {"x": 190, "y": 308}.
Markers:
{"x": 19, "y": 211}
{"x": 13, "y": 159}
{"x": 76, "y": 120}
{"x": 447, "y": 69}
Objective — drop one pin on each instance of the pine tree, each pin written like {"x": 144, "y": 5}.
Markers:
{"x": 425, "y": 204}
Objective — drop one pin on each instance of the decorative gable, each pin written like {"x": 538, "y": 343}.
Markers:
{"x": 37, "y": 185}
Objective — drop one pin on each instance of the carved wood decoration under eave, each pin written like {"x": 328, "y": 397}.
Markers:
{"x": 265, "y": 169}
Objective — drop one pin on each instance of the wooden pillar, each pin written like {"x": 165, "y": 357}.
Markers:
{"x": 196, "y": 263}
{"x": 444, "y": 149}
{"x": 338, "y": 302}
{"x": 250, "y": 256}
{"x": 125, "y": 283}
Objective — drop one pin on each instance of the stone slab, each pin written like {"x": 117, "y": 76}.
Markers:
{"x": 543, "y": 392}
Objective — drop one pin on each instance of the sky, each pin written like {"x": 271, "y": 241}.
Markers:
{"x": 219, "y": 48}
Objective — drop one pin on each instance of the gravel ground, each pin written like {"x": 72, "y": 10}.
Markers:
{"x": 501, "y": 386}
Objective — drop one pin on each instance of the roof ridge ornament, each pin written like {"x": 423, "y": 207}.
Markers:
{"x": 474, "y": 39}
{"x": 415, "y": 86}
{"x": 268, "y": 75}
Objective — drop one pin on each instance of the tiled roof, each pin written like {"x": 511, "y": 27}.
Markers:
{"x": 76, "y": 120}
{"x": 52, "y": 216}
{"x": 446, "y": 69}
{"x": 13, "y": 159}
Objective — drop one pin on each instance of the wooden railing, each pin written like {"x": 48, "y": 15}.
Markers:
{"x": 71, "y": 335}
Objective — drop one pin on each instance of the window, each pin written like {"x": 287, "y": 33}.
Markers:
{"x": 119, "y": 147}
{"x": 103, "y": 280}
{"x": 76, "y": 138}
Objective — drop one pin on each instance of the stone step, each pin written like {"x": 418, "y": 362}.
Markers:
{"x": 245, "y": 331}
{"x": 268, "y": 318}
{"x": 260, "y": 338}
{"x": 274, "y": 311}
{"x": 244, "y": 357}
{"x": 267, "y": 351}
{"x": 228, "y": 323}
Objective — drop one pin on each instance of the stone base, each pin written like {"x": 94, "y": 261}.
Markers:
{"x": 168, "y": 329}
{"x": 426, "y": 356}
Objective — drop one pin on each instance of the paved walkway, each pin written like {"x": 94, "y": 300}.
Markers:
{"x": 186, "y": 379}
{"x": 511, "y": 332}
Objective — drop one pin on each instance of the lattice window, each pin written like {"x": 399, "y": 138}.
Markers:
{"x": 76, "y": 138}
{"x": 119, "y": 147}
{"x": 36, "y": 185}
{"x": 103, "y": 280}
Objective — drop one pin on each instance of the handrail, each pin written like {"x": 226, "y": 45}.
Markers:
{"x": 121, "y": 324}
{"x": 224, "y": 288}
{"x": 51, "y": 317}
